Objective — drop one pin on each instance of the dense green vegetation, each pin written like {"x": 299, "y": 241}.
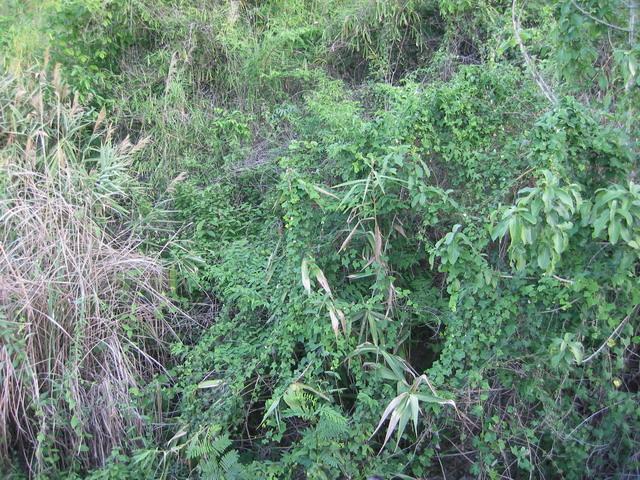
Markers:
{"x": 323, "y": 239}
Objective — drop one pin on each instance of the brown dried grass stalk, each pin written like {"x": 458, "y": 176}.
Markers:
{"x": 80, "y": 309}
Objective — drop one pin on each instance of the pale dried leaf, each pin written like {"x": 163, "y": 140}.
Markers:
{"x": 400, "y": 229}
{"x": 377, "y": 235}
{"x": 101, "y": 116}
{"x": 210, "y": 384}
{"x": 306, "y": 281}
{"x": 140, "y": 145}
{"x": 325, "y": 192}
{"x": 335, "y": 323}
{"x": 349, "y": 237}
{"x": 322, "y": 280}
{"x": 343, "y": 320}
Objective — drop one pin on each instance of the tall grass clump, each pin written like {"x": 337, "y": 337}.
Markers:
{"x": 80, "y": 309}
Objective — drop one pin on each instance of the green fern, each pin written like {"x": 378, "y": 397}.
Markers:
{"x": 332, "y": 425}
{"x": 211, "y": 449}
{"x": 229, "y": 463}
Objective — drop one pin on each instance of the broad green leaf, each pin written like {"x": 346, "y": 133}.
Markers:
{"x": 614, "y": 231}
{"x": 544, "y": 258}
{"x": 515, "y": 230}
{"x": 500, "y": 230}
{"x": 527, "y": 236}
{"x": 558, "y": 242}
{"x": 454, "y": 254}
{"x": 600, "y": 223}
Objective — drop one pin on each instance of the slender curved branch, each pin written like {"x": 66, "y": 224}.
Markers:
{"x": 613, "y": 335}
{"x": 598, "y": 20}
{"x": 537, "y": 77}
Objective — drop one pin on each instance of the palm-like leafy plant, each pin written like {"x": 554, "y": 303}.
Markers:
{"x": 407, "y": 405}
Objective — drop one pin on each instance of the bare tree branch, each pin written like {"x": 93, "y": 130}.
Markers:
{"x": 614, "y": 334}
{"x": 598, "y": 20}
{"x": 537, "y": 77}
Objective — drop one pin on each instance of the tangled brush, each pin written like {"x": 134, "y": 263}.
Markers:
{"x": 80, "y": 308}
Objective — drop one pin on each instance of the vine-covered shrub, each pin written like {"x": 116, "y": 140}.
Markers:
{"x": 402, "y": 238}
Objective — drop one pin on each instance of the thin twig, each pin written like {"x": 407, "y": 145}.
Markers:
{"x": 563, "y": 280}
{"x": 613, "y": 334}
{"x": 598, "y": 20}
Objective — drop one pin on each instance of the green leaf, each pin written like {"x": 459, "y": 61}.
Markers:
{"x": 544, "y": 258}
{"x": 500, "y": 230}
{"x": 272, "y": 410}
{"x": 558, "y": 242}
{"x": 425, "y": 397}
{"x": 577, "y": 350}
{"x": 527, "y": 236}
{"x": 454, "y": 254}
{"x": 515, "y": 230}
{"x": 415, "y": 410}
{"x": 322, "y": 280}
{"x": 405, "y": 413}
{"x": 600, "y": 223}
{"x": 614, "y": 231}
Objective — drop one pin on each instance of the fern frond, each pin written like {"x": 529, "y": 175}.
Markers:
{"x": 332, "y": 424}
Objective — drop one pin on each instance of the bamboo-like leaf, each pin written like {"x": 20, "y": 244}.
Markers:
{"x": 348, "y": 195}
{"x": 322, "y": 280}
{"x": 357, "y": 276}
{"x": 349, "y": 237}
{"x": 325, "y": 192}
{"x": 272, "y": 410}
{"x": 399, "y": 228}
{"x": 335, "y": 323}
{"x": 373, "y": 327}
{"x": 425, "y": 397}
{"x": 306, "y": 281}
{"x": 210, "y": 384}
{"x": 304, "y": 386}
{"x": 387, "y": 411}
{"x": 393, "y": 422}
{"x": 177, "y": 436}
{"x": 343, "y": 320}
{"x": 384, "y": 372}
{"x": 404, "y": 412}
{"x": 366, "y": 347}
{"x": 415, "y": 409}
{"x": 395, "y": 363}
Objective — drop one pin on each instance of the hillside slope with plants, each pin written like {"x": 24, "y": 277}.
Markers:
{"x": 303, "y": 239}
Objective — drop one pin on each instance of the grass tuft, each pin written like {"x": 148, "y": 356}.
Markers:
{"x": 81, "y": 309}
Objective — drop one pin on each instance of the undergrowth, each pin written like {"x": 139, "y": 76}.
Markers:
{"x": 323, "y": 240}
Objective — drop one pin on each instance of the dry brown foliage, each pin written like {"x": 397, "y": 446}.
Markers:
{"x": 80, "y": 308}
